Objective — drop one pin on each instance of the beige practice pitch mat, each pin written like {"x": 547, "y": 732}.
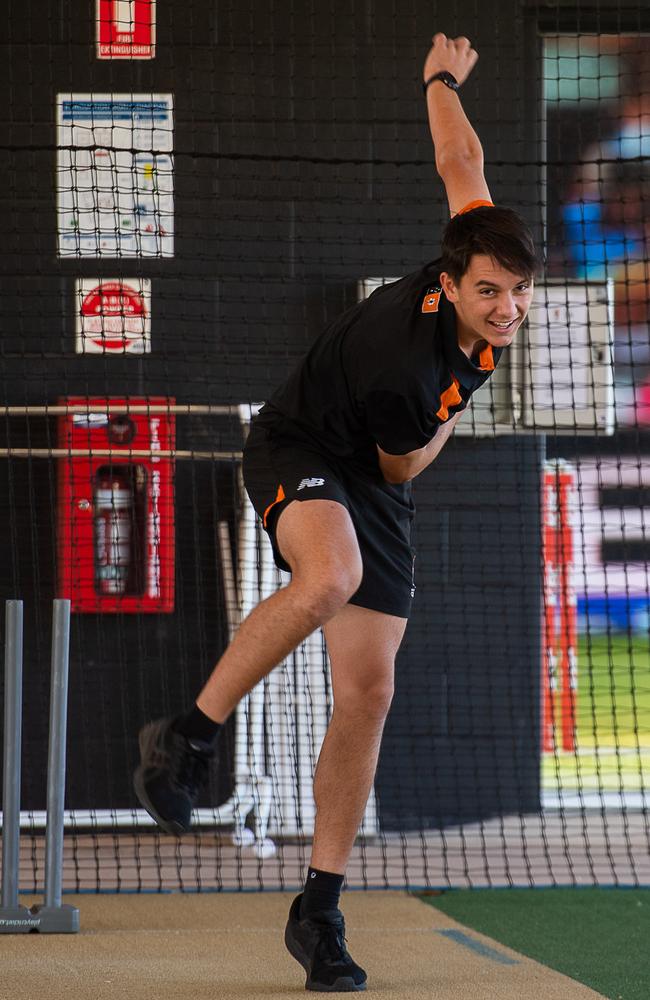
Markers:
{"x": 222, "y": 946}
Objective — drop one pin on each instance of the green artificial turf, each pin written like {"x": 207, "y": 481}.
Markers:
{"x": 612, "y": 717}
{"x": 601, "y": 937}
{"x": 614, "y": 690}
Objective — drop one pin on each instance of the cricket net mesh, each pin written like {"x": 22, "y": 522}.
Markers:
{"x": 183, "y": 211}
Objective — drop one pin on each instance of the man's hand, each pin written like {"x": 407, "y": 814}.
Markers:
{"x": 453, "y": 55}
{"x": 402, "y": 468}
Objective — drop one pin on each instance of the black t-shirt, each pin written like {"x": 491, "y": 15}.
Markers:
{"x": 387, "y": 372}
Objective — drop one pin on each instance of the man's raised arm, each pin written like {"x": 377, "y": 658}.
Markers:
{"x": 459, "y": 161}
{"x": 458, "y": 151}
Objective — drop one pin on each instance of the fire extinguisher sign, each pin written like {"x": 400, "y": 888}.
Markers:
{"x": 126, "y": 29}
{"x": 113, "y": 316}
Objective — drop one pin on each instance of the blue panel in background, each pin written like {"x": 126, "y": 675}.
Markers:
{"x": 613, "y": 613}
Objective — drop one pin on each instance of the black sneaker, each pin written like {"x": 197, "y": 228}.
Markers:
{"x": 170, "y": 775}
{"x": 318, "y": 943}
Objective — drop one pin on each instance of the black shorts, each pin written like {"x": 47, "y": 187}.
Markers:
{"x": 278, "y": 470}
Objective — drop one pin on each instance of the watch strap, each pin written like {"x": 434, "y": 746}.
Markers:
{"x": 448, "y": 79}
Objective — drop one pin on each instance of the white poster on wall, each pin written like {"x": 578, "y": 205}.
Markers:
{"x": 115, "y": 184}
{"x": 113, "y": 316}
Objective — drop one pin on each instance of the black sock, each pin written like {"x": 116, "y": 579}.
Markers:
{"x": 196, "y": 725}
{"x": 321, "y": 892}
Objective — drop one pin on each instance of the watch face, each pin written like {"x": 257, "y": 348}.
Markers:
{"x": 449, "y": 80}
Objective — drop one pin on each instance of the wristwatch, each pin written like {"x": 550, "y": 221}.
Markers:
{"x": 447, "y": 78}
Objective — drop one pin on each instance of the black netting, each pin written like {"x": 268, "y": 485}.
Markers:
{"x": 180, "y": 221}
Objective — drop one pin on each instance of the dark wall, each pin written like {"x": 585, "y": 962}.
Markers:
{"x": 302, "y": 162}
{"x": 462, "y": 740}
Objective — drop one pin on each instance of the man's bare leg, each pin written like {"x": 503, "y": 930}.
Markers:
{"x": 317, "y": 539}
{"x": 362, "y": 645}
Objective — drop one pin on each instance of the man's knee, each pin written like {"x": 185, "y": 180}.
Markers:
{"x": 371, "y": 700}
{"x": 325, "y": 590}
{"x": 318, "y": 540}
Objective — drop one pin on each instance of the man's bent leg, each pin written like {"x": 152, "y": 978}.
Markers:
{"x": 317, "y": 539}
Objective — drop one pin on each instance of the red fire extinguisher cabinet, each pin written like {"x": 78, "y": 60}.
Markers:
{"x": 116, "y": 505}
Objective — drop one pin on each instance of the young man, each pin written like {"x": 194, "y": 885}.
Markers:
{"x": 328, "y": 465}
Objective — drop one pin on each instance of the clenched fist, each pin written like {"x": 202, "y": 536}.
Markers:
{"x": 453, "y": 55}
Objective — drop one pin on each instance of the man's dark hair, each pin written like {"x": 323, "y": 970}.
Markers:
{"x": 498, "y": 233}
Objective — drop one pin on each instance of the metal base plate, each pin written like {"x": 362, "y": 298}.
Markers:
{"x": 41, "y": 919}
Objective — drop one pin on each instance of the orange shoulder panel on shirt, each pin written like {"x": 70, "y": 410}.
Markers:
{"x": 450, "y": 397}
{"x": 431, "y": 302}
{"x": 479, "y": 203}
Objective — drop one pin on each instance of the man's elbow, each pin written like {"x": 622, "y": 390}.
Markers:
{"x": 452, "y": 157}
{"x": 396, "y": 470}
{"x": 394, "y": 480}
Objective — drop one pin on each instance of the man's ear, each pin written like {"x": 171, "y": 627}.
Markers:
{"x": 449, "y": 287}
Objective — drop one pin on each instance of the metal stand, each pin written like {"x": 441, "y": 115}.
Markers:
{"x": 51, "y": 917}
{"x": 13, "y": 917}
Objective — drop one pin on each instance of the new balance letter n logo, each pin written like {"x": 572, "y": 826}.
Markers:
{"x": 310, "y": 482}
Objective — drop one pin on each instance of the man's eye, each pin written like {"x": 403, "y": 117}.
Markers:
{"x": 487, "y": 291}
{"x": 523, "y": 288}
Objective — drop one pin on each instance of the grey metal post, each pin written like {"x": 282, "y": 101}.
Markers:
{"x": 51, "y": 917}
{"x": 55, "y": 918}
{"x": 14, "y": 918}
{"x": 56, "y": 752}
{"x": 12, "y": 753}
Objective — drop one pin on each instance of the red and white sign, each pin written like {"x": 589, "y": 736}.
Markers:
{"x": 560, "y": 642}
{"x": 113, "y": 316}
{"x": 126, "y": 29}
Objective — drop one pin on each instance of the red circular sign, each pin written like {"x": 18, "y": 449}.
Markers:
{"x": 113, "y": 315}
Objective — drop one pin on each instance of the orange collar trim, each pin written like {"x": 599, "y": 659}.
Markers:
{"x": 486, "y": 359}
{"x": 479, "y": 203}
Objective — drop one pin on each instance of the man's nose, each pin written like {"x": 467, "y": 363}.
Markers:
{"x": 506, "y": 305}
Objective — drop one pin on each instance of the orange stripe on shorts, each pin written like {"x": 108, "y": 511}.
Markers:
{"x": 279, "y": 496}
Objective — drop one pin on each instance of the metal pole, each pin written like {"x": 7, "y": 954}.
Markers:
{"x": 107, "y": 406}
{"x": 203, "y": 456}
{"x": 56, "y": 753}
{"x": 12, "y": 753}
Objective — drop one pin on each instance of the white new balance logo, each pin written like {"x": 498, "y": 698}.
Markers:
{"x": 310, "y": 482}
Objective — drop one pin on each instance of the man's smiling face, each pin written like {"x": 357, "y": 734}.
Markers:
{"x": 491, "y": 303}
